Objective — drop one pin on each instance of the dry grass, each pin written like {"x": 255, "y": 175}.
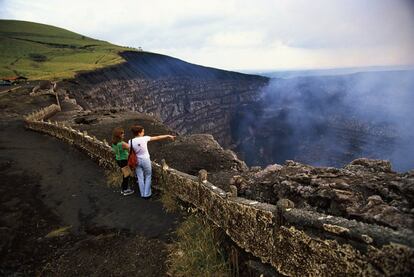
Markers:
{"x": 39, "y": 51}
{"x": 169, "y": 202}
{"x": 113, "y": 178}
{"x": 197, "y": 251}
{"x": 59, "y": 232}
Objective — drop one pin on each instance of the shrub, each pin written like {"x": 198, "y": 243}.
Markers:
{"x": 197, "y": 251}
{"x": 37, "y": 57}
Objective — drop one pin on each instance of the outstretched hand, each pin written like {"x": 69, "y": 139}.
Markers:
{"x": 162, "y": 137}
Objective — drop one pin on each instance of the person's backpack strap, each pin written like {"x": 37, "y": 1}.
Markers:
{"x": 131, "y": 148}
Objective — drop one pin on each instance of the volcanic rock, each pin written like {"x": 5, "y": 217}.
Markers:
{"x": 367, "y": 190}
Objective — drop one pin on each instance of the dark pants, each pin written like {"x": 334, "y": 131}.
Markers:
{"x": 121, "y": 164}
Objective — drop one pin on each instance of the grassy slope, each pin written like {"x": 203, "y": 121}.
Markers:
{"x": 65, "y": 52}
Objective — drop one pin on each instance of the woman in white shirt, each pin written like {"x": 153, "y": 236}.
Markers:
{"x": 144, "y": 169}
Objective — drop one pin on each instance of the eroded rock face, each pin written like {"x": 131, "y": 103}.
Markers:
{"x": 188, "y": 98}
{"x": 366, "y": 190}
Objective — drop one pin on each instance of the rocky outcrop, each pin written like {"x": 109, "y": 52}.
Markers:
{"x": 186, "y": 97}
{"x": 200, "y": 151}
{"x": 366, "y": 190}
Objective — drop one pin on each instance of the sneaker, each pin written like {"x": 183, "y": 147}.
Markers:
{"x": 127, "y": 192}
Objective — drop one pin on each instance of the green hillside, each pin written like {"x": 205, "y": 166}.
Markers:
{"x": 39, "y": 51}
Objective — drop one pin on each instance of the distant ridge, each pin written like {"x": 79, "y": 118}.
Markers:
{"x": 154, "y": 66}
{"x": 327, "y": 72}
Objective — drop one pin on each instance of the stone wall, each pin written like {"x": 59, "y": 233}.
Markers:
{"x": 294, "y": 241}
{"x": 43, "y": 114}
{"x": 96, "y": 149}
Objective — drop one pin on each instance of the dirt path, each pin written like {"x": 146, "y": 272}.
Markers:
{"x": 9, "y": 90}
{"x": 46, "y": 184}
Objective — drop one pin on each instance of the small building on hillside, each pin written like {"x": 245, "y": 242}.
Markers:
{"x": 13, "y": 79}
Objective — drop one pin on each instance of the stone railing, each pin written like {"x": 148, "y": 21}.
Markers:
{"x": 41, "y": 92}
{"x": 43, "y": 114}
{"x": 296, "y": 242}
{"x": 96, "y": 149}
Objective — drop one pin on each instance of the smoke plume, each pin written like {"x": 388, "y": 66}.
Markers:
{"x": 331, "y": 120}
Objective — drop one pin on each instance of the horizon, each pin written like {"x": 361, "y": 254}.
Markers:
{"x": 365, "y": 68}
{"x": 236, "y": 36}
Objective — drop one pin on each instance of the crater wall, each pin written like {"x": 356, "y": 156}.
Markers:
{"x": 186, "y": 97}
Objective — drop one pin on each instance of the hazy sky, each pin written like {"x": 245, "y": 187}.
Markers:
{"x": 255, "y": 35}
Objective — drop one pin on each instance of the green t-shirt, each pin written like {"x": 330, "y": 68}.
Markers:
{"x": 120, "y": 153}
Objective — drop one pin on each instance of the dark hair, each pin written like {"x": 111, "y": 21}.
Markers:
{"x": 136, "y": 129}
{"x": 116, "y": 135}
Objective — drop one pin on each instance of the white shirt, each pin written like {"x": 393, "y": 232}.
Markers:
{"x": 139, "y": 145}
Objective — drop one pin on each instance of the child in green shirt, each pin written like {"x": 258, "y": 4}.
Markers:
{"x": 121, "y": 150}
